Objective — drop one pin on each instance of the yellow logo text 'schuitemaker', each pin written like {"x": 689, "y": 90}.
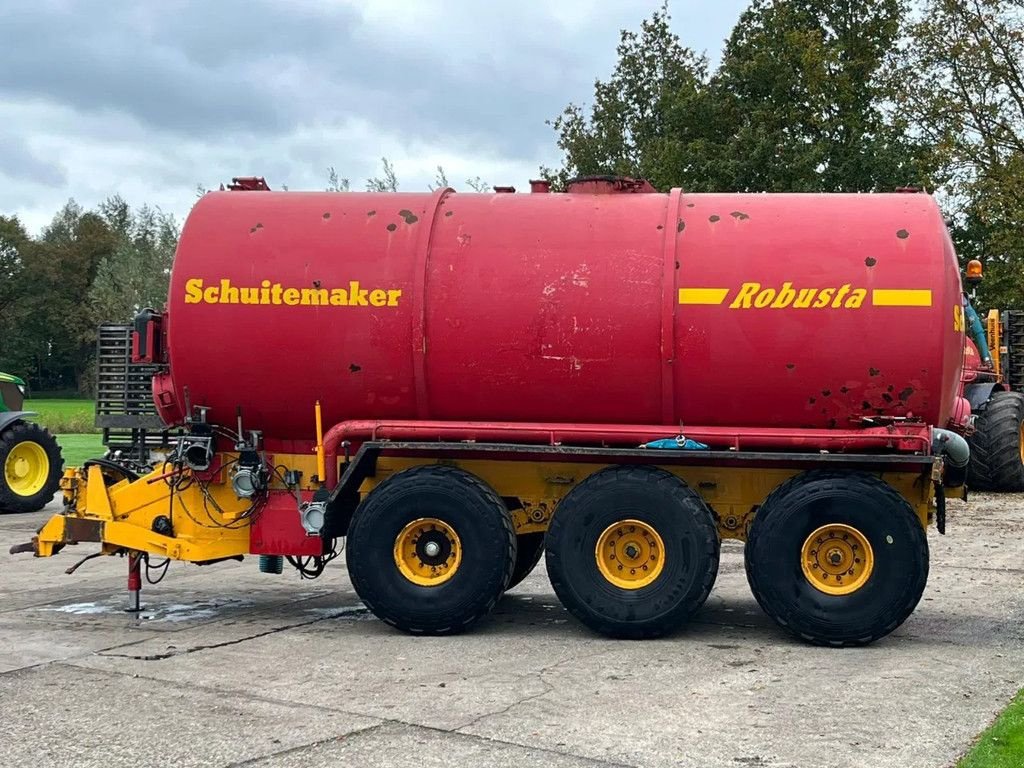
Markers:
{"x": 786, "y": 296}
{"x": 267, "y": 293}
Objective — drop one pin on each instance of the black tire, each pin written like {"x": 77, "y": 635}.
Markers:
{"x": 529, "y": 548}
{"x": 488, "y": 544}
{"x": 996, "y": 463}
{"x": 819, "y": 498}
{"x": 655, "y": 498}
{"x": 27, "y": 432}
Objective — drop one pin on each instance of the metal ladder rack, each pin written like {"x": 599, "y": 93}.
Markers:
{"x": 124, "y": 400}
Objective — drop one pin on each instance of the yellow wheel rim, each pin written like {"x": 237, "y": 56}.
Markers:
{"x": 428, "y": 552}
{"x": 630, "y": 554}
{"x": 1020, "y": 442}
{"x": 26, "y": 469}
{"x": 837, "y": 559}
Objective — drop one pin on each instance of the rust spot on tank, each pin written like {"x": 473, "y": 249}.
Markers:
{"x": 880, "y": 411}
{"x": 371, "y": 213}
{"x": 740, "y": 215}
{"x": 903, "y": 234}
{"x": 887, "y": 397}
{"x": 409, "y": 216}
{"x": 392, "y": 227}
{"x": 844, "y": 390}
{"x": 812, "y": 400}
{"x": 905, "y": 393}
{"x": 691, "y": 205}
{"x": 714, "y": 217}
{"x": 890, "y": 388}
{"x": 355, "y": 368}
{"x": 870, "y": 262}
{"x": 660, "y": 227}
{"x": 256, "y": 227}
{"x": 865, "y": 405}
{"x": 680, "y": 226}
{"x": 327, "y": 215}
{"x": 826, "y": 393}
{"x": 677, "y": 265}
{"x": 874, "y": 371}
{"x": 316, "y": 283}
{"x": 791, "y": 366}
{"x": 831, "y": 423}
{"x": 448, "y": 213}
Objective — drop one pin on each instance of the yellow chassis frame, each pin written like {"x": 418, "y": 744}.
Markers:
{"x": 209, "y": 523}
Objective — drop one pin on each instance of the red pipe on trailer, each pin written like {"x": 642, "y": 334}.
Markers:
{"x": 903, "y": 438}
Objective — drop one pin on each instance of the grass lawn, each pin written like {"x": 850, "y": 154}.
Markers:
{"x": 64, "y": 416}
{"x": 72, "y": 422}
{"x": 77, "y": 448}
{"x": 1002, "y": 745}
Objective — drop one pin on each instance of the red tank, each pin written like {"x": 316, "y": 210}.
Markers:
{"x": 733, "y": 310}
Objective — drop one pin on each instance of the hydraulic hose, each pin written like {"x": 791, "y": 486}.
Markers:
{"x": 977, "y": 332}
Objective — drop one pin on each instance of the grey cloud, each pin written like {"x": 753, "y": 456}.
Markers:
{"x": 148, "y": 99}
{"x": 214, "y": 69}
{"x": 20, "y": 164}
{"x": 121, "y": 60}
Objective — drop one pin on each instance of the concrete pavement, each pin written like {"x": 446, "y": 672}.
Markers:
{"x": 228, "y": 666}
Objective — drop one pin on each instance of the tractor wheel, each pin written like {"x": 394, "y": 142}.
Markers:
{"x": 431, "y": 550}
{"x": 32, "y": 467}
{"x": 529, "y": 548}
{"x": 632, "y": 552}
{"x": 997, "y": 446}
{"x": 838, "y": 559}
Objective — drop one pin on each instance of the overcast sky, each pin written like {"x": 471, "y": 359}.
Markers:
{"x": 150, "y": 99}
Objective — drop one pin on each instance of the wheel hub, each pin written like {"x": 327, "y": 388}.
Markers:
{"x": 837, "y": 559}
{"x": 629, "y": 554}
{"x": 428, "y": 552}
{"x": 26, "y": 468}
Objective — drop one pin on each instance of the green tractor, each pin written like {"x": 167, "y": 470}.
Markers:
{"x": 29, "y": 455}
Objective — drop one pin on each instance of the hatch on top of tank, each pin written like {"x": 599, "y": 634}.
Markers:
{"x": 608, "y": 185}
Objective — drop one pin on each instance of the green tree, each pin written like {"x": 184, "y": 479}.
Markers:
{"x": 806, "y": 89}
{"x": 440, "y": 180}
{"x": 13, "y": 241}
{"x": 336, "y": 183}
{"x": 477, "y": 184}
{"x": 57, "y": 324}
{"x": 647, "y": 120}
{"x": 136, "y": 273}
{"x": 802, "y": 101}
{"x": 964, "y": 80}
{"x": 387, "y": 182}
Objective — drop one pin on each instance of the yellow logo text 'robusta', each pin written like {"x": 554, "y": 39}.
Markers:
{"x": 846, "y": 296}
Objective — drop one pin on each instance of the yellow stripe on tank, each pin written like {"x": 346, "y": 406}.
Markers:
{"x": 702, "y": 295}
{"x": 884, "y": 297}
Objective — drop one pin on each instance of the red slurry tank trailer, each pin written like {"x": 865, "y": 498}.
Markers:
{"x": 618, "y": 376}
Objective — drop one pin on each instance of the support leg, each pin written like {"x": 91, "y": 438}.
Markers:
{"x": 134, "y": 582}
